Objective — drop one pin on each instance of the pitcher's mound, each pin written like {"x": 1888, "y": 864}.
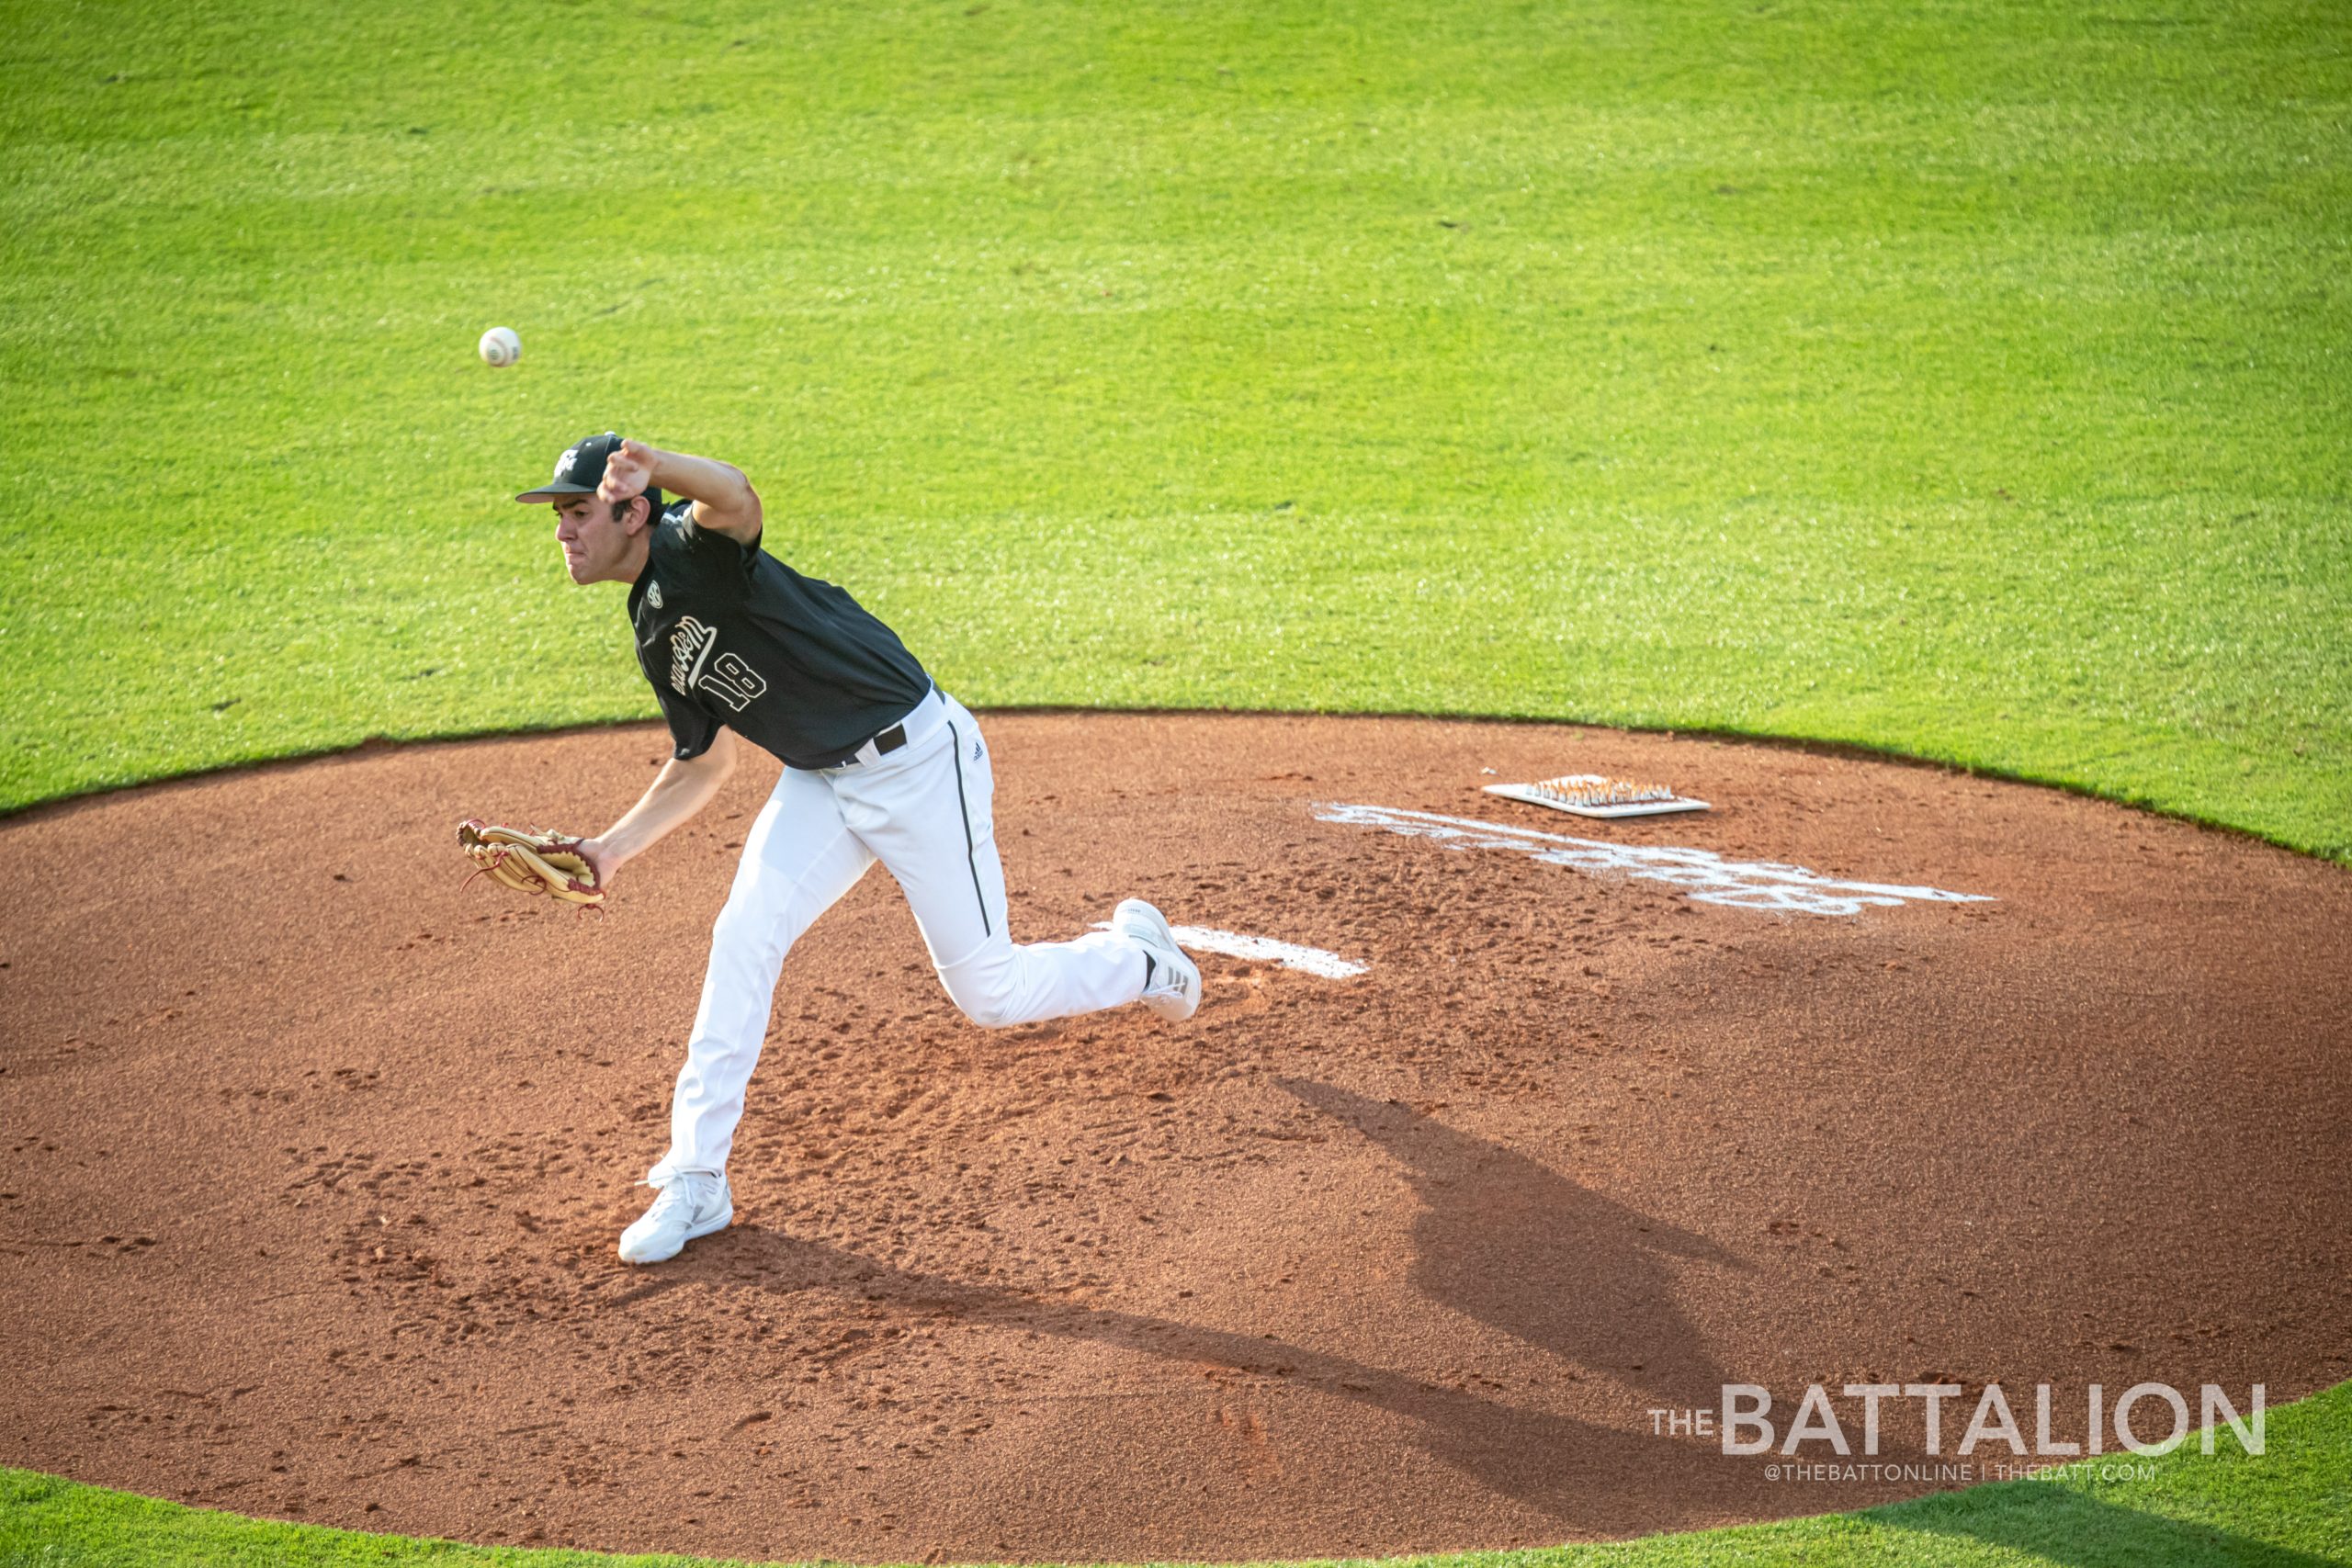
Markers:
{"x": 314, "y": 1160}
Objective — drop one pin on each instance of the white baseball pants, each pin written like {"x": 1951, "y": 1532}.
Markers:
{"x": 927, "y": 812}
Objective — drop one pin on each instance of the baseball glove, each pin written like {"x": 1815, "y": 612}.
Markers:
{"x": 530, "y": 861}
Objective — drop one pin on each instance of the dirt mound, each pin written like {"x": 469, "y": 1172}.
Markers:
{"x": 312, "y": 1172}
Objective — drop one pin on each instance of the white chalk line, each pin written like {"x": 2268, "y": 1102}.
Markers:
{"x": 1703, "y": 874}
{"x": 1261, "y": 949}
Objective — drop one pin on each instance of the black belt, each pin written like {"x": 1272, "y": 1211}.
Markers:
{"x": 889, "y": 740}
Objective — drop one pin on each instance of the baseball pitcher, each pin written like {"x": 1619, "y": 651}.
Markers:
{"x": 878, "y": 765}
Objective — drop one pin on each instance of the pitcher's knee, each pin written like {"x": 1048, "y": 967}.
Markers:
{"x": 984, "y": 992}
{"x": 734, "y": 925}
{"x": 741, "y": 932}
{"x": 989, "y": 1010}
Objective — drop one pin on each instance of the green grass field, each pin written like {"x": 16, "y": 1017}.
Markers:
{"x": 1968, "y": 380}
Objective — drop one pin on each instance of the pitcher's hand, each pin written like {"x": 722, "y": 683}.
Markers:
{"x": 626, "y": 472}
{"x": 601, "y": 859}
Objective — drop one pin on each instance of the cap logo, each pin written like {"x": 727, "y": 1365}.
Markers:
{"x": 565, "y": 461}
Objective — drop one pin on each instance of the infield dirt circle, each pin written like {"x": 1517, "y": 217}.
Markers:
{"x": 315, "y": 1158}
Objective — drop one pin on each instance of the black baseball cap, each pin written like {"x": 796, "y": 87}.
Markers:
{"x": 579, "y": 471}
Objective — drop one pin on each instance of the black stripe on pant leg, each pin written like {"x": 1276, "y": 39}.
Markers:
{"x": 971, "y": 852}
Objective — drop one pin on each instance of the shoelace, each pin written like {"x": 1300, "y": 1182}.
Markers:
{"x": 684, "y": 1187}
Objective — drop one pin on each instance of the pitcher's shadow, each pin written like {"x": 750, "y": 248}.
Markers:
{"x": 1519, "y": 1247}
{"x": 1585, "y": 1476}
{"x": 1500, "y": 1239}
{"x": 1505, "y": 1241}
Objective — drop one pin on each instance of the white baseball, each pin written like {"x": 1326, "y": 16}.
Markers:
{"x": 501, "y": 347}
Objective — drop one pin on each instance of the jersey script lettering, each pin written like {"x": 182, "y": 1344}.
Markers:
{"x": 693, "y": 669}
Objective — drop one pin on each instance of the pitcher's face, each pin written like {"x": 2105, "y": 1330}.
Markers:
{"x": 597, "y": 548}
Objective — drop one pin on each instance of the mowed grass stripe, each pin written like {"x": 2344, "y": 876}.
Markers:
{"x": 1965, "y": 381}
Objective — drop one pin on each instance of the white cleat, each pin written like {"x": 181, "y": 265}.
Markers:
{"x": 691, "y": 1203}
{"x": 1172, "y": 986}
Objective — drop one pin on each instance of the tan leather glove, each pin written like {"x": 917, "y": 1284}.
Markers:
{"x": 530, "y": 861}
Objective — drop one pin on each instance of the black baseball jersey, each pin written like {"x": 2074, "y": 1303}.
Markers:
{"x": 730, "y": 634}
